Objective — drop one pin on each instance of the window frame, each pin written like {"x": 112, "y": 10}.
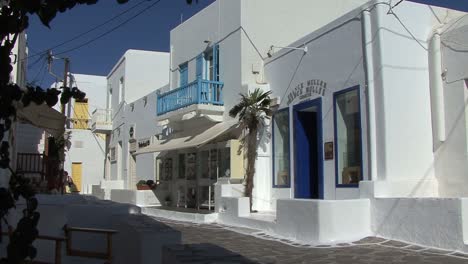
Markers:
{"x": 335, "y": 130}
{"x": 288, "y": 185}
{"x": 183, "y": 73}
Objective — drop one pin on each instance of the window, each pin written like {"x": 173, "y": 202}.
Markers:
{"x": 80, "y": 114}
{"x": 158, "y": 167}
{"x": 183, "y": 72}
{"x": 200, "y": 63}
{"x": 121, "y": 90}
{"x": 113, "y": 154}
{"x": 281, "y": 169}
{"x": 212, "y": 64}
{"x": 224, "y": 162}
{"x": 347, "y": 120}
{"x": 181, "y": 166}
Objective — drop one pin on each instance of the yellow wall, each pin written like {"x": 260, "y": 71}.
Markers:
{"x": 80, "y": 115}
{"x": 237, "y": 160}
{"x": 77, "y": 170}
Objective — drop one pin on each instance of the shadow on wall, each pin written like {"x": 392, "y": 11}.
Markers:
{"x": 163, "y": 194}
{"x": 452, "y": 183}
{"x": 439, "y": 166}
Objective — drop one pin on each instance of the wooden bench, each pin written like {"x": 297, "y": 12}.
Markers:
{"x": 58, "y": 247}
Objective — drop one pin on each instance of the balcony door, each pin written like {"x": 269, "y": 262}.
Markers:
{"x": 211, "y": 73}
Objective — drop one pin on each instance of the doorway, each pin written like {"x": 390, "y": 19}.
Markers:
{"x": 77, "y": 173}
{"x": 308, "y": 167}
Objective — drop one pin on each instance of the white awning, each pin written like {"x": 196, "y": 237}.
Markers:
{"x": 190, "y": 139}
{"x": 42, "y": 116}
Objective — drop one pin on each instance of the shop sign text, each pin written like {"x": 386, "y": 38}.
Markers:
{"x": 307, "y": 89}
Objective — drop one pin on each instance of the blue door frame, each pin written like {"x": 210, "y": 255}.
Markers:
{"x": 308, "y": 150}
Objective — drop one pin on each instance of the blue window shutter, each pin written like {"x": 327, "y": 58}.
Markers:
{"x": 199, "y": 71}
{"x": 183, "y": 71}
{"x": 216, "y": 62}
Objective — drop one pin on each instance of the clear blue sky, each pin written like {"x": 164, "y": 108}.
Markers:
{"x": 149, "y": 31}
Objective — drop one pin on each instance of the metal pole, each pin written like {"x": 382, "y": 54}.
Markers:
{"x": 65, "y": 79}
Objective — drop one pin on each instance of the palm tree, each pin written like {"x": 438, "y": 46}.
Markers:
{"x": 253, "y": 109}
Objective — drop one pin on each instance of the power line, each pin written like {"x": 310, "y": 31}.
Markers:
{"x": 90, "y": 30}
{"x": 31, "y": 65}
{"x": 111, "y": 30}
{"x": 38, "y": 73}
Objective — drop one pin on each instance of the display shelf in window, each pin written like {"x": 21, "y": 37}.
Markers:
{"x": 181, "y": 198}
{"x": 213, "y": 172}
{"x": 191, "y": 173}
{"x": 167, "y": 170}
{"x": 181, "y": 166}
{"x": 206, "y": 198}
{"x": 191, "y": 201}
{"x": 204, "y": 161}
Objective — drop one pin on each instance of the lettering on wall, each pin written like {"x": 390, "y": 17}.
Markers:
{"x": 142, "y": 143}
{"x": 306, "y": 89}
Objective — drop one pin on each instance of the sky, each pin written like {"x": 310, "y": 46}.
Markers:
{"x": 148, "y": 31}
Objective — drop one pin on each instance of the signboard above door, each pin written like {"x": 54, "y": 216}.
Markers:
{"x": 305, "y": 90}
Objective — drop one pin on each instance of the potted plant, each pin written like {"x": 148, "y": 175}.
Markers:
{"x": 141, "y": 185}
{"x": 146, "y": 185}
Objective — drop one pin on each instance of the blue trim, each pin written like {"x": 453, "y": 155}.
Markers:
{"x": 288, "y": 185}
{"x": 216, "y": 62}
{"x": 297, "y": 108}
{"x": 335, "y": 95}
{"x": 195, "y": 92}
{"x": 183, "y": 74}
{"x": 199, "y": 68}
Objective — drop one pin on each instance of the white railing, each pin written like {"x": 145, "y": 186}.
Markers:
{"x": 101, "y": 117}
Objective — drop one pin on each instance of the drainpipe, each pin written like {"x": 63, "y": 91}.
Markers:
{"x": 370, "y": 81}
{"x": 437, "y": 87}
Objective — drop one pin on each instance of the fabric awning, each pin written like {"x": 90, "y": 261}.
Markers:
{"x": 42, "y": 116}
{"x": 190, "y": 139}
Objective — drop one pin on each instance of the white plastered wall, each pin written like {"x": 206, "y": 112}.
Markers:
{"x": 451, "y": 158}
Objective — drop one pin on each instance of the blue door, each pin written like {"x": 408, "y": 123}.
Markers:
{"x": 308, "y": 165}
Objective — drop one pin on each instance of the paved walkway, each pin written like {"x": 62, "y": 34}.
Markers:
{"x": 261, "y": 248}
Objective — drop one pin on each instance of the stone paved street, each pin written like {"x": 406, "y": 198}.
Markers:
{"x": 261, "y": 248}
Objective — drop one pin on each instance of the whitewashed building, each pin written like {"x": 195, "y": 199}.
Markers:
{"x": 369, "y": 132}
{"x": 32, "y": 127}
{"x": 215, "y": 55}
{"x": 85, "y": 155}
{"x": 129, "y": 118}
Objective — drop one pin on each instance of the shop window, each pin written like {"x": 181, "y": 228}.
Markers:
{"x": 158, "y": 169}
{"x": 347, "y": 119}
{"x": 204, "y": 164}
{"x": 281, "y": 165}
{"x": 191, "y": 172}
{"x": 167, "y": 170}
{"x": 224, "y": 162}
{"x": 181, "y": 166}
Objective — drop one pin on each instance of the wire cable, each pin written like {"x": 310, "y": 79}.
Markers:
{"x": 31, "y": 65}
{"x": 90, "y": 30}
{"x": 38, "y": 73}
{"x": 111, "y": 30}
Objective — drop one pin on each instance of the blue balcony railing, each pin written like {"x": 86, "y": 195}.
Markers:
{"x": 197, "y": 92}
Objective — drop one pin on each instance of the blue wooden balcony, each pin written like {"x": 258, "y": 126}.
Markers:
{"x": 197, "y": 92}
